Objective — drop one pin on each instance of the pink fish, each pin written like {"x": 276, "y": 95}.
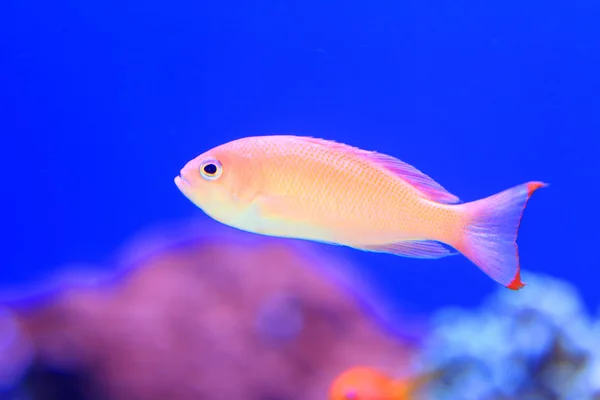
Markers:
{"x": 319, "y": 190}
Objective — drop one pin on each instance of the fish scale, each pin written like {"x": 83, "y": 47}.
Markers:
{"x": 356, "y": 192}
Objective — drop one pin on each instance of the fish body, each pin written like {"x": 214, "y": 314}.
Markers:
{"x": 324, "y": 191}
{"x": 364, "y": 383}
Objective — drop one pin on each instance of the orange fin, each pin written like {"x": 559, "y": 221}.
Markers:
{"x": 489, "y": 239}
{"x": 413, "y": 248}
{"x": 423, "y": 183}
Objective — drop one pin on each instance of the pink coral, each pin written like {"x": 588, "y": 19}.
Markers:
{"x": 212, "y": 317}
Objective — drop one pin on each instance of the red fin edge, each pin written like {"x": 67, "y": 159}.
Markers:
{"x": 517, "y": 283}
{"x": 490, "y": 237}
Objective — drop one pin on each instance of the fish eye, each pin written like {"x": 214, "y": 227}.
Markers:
{"x": 211, "y": 169}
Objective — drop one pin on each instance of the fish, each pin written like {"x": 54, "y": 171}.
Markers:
{"x": 366, "y": 383}
{"x": 321, "y": 190}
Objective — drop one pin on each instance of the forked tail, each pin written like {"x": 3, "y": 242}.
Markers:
{"x": 490, "y": 235}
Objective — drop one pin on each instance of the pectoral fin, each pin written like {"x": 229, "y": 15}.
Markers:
{"x": 284, "y": 218}
{"x": 272, "y": 207}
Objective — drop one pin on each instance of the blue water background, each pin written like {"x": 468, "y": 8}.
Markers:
{"x": 102, "y": 102}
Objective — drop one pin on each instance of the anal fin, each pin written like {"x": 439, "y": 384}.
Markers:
{"x": 413, "y": 248}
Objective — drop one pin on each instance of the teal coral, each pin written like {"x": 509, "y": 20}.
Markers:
{"x": 537, "y": 343}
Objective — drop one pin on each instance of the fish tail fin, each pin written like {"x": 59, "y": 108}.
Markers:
{"x": 490, "y": 233}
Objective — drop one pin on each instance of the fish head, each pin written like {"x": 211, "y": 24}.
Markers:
{"x": 222, "y": 181}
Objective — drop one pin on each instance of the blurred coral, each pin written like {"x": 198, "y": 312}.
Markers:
{"x": 203, "y": 317}
{"x": 365, "y": 383}
{"x": 206, "y": 312}
{"x": 538, "y": 343}
{"x": 16, "y": 353}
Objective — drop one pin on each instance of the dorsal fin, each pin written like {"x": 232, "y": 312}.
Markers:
{"x": 423, "y": 183}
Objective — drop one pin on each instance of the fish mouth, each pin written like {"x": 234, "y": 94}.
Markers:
{"x": 180, "y": 181}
